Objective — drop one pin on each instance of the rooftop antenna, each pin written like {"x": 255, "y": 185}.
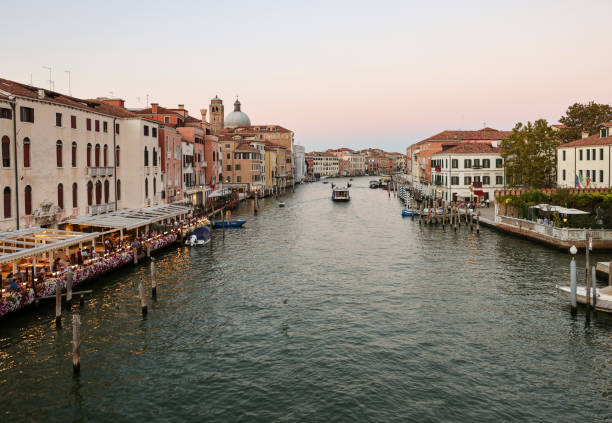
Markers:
{"x": 69, "y": 87}
{"x": 50, "y": 80}
{"x": 147, "y": 100}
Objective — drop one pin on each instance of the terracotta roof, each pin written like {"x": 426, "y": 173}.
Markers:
{"x": 560, "y": 126}
{"x": 589, "y": 141}
{"x": 471, "y": 148}
{"x": 481, "y": 134}
{"x": 246, "y": 147}
{"x": 191, "y": 119}
{"x": 607, "y": 124}
{"x": 160, "y": 111}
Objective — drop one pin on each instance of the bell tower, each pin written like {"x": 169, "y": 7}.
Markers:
{"x": 216, "y": 114}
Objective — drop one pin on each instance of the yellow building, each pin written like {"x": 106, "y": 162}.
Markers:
{"x": 271, "y": 158}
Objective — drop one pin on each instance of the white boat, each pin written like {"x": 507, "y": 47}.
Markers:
{"x": 281, "y": 204}
{"x": 340, "y": 194}
{"x": 200, "y": 236}
{"x": 603, "y": 296}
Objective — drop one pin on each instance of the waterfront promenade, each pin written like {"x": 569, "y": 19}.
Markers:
{"x": 321, "y": 311}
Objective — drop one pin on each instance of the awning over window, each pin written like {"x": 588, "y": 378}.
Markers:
{"x": 479, "y": 192}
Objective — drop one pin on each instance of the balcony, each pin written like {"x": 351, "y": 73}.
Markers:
{"x": 100, "y": 171}
{"x": 100, "y": 209}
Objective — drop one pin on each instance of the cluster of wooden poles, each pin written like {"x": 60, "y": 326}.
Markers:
{"x": 450, "y": 215}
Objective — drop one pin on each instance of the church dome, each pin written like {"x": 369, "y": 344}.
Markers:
{"x": 237, "y": 118}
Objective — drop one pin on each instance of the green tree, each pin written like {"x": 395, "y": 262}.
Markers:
{"x": 584, "y": 118}
{"x": 530, "y": 155}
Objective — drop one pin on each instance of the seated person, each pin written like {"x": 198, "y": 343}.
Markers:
{"x": 14, "y": 286}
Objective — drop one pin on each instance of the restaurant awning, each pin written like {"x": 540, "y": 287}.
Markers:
{"x": 558, "y": 209}
{"x": 132, "y": 218}
{"x": 479, "y": 192}
{"x": 30, "y": 242}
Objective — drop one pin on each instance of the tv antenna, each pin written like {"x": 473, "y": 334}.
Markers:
{"x": 50, "y": 80}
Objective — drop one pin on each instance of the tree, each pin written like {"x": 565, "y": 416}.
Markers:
{"x": 530, "y": 155}
{"x": 584, "y": 118}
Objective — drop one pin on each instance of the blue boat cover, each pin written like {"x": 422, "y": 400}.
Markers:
{"x": 202, "y": 233}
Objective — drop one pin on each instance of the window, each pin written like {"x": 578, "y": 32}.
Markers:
{"x": 146, "y": 157}
{"x": 89, "y": 155}
{"x": 237, "y": 167}
{"x": 580, "y": 172}
{"x": 88, "y": 124}
{"x": 6, "y": 113}
{"x": 26, "y": 152}
{"x": 146, "y": 130}
{"x": 601, "y": 176}
{"x": 601, "y": 154}
{"x": 28, "y": 200}
{"x": 594, "y": 176}
{"x": 105, "y": 155}
{"x": 74, "y": 154}
{"x": 105, "y": 126}
{"x": 238, "y": 179}
{"x": 593, "y": 154}
{"x": 228, "y": 167}
{"x": 467, "y": 163}
{"x": 146, "y": 188}
{"x": 154, "y": 156}
{"x": 563, "y": 175}
{"x": 166, "y": 119}
{"x": 27, "y": 114}
{"x": 499, "y": 180}
{"x": 106, "y": 191}
{"x": 580, "y": 154}
{"x": 588, "y": 172}
{"x": 154, "y": 187}
{"x": 455, "y": 165}
{"x": 7, "y": 202}
{"x": 98, "y": 192}
{"x": 454, "y": 180}
{"x": 58, "y": 153}
{"x": 486, "y": 180}
{"x": 118, "y": 193}
{"x": 58, "y": 120}
{"x": 603, "y": 132}
{"x": 60, "y": 196}
{"x": 588, "y": 154}
{"x": 89, "y": 193}
{"x": 6, "y": 151}
{"x": 75, "y": 203}
{"x": 154, "y": 132}
{"x": 97, "y": 155}
{"x": 117, "y": 156}
{"x": 476, "y": 178}
{"x": 73, "y": 124}
{"x": 228, "y": 156}
{"x": 486, "y": 163}
{"x": 563, "y": 155}
{"x": 227, "y": 146}
{"x": 97, "y": 125}
{"x": 476, "y": 162}
{"x": 117, "y": 128}
{"x": 499, "y": 163}
{"x": 467, "y": 180}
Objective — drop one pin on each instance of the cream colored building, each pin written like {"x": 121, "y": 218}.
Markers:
{"x": 324, "y": 164}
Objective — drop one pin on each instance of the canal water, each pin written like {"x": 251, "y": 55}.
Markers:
{"x": 321, "y": 311}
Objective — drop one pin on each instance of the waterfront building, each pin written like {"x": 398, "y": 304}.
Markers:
{"x": 299, "y": 165}
{"x": 324, "y": 163}
{"x": 244, "y": 164}
{"x": 466, "y": 171}
{"x": 170, "y": 144}
{"x": 585, "y": 163}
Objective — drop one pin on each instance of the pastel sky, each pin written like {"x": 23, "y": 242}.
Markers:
{"x": 339, "y": 73}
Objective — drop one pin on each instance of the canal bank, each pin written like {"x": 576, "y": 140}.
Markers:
{"x": 385, "y": 320}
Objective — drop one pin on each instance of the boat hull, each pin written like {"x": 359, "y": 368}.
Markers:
{"x": 229, "y": 224}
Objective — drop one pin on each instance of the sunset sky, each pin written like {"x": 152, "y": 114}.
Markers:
{"x": 357, "y": 74}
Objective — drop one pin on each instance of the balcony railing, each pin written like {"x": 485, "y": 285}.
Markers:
{"x": 100, "y": 209}
{"x": 100, "y": 171}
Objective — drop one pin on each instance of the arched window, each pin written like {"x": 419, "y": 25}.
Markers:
{"x": 154, "y": 187}
{"x": 6, "y": 152}
{"x": 97, "y": 155}
{"x": 154, "y": 157}
{"x": 89, "y": 193}
{"x": 118, "y": 193}
{"x": 105, "y": 156}
{"x": 146, "y": 188}
{"x": 7, "y": 202}
{"x": 98, "y": 192}
{"x": 146, "y": 157}
{"x": 28, "y": 200}
{"x": 60, "y": 196}
{"x": 74, "y": 153}
{"x": 58, "y": 153}
{"x": 106, "y": 191}
{"x": 26, "y": 152}
{"x": 75, "y": 198}
{"x": 117, "y": 156}
{"x": 88, "y": 154}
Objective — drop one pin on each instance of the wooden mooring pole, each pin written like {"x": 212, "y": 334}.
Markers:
{"x": 76, "y": 343}
{"x": 610, "y": 273}
{"x": 588, "y": 279}
{"x": 69, "y": 288}
{"x": 573, "y": 282}
{"x": 58, "y": 305}
{"x": 143, "y": 299}
{"x": 153, "y": 281}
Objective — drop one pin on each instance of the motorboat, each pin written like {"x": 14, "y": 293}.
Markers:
{"x": 410, "y": 212}
{"x": 325, "y": 181}
{"x": 348, "y": 184}
{"x": 229, "y": 223}
{"x": 281, "y": 204}
{"x": 199, "y": 236}
{"x": 374, "y": 184}
{"x": 340, "y": 194}
{"x": 603, "y": 296}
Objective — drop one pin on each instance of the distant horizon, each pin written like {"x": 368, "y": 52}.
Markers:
{"x": 347, "y": 73}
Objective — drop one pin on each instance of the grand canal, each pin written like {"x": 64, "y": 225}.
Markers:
{"x": 321, "y": 312}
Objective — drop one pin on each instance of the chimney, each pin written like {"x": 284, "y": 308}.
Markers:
{"x": 41, "y": 93}
{"x": 585, "y": 134}
{"x": 117, "y": 102}
{"x": 203, "y": 112}
{"x": 154, "y": 107}
{"x": 181, "y": 106}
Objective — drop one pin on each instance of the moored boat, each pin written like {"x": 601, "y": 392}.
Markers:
{"x": 229, "y": 223}
{"x": 340, "y": 194}
{"x": 603, "y": 296}
{"x": 409, "y": 212}
{"x": 281, "y": 204}
{"x": 199, "y": 236}
{"x": 374, "y": 184}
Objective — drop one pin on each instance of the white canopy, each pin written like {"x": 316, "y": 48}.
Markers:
{"x": 558, "y": 209}
{"x": 130, "y": 219}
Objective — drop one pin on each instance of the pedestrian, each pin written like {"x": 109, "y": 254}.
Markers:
{"x": 488, "y": 203}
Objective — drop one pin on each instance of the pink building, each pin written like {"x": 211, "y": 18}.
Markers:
{"x": 171, "y": 151}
